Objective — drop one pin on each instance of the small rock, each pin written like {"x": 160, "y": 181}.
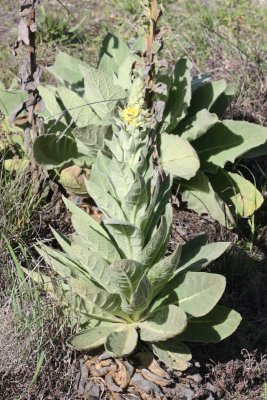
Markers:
{"x": 92, "y": 390}
{"x": 197, "y": 378}
{"x": 185, "y": 392}
{"x": 211, "y": 387}
{"x": 142, "y": 385}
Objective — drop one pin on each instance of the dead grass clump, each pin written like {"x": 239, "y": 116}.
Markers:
{"x": 240, "y": 379}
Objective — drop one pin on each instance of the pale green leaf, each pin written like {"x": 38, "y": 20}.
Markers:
{"x": 196, "y": 254}
{"x": 195, "y": 292}
{"x": 105, "y": 202}
{"x": 241, "y": 196}
{"x": 91, "y": 338}
{"x": 127, "y": 236}
{"x": 114, "y": 47}
{"x": 66, "y": 69}
{"x": 179, "y": 96}
{"x": 94, "y": 235}
{"x": 197, "y": 125}
{"x": 78, "y": 108}
{"x": 10, "y": 100}
{"x": 164, "y": 324}
{"x": 160, "y": 273}
{"x": 173, "y": 353}
{"x": 100, "y": 91}
{"x": 200, "y": 197}
{"x": 220, "y": 323}
{"x": 122, "y": 342}
{"x": 228, "y": 140}
{"x": 50, "y": 151}
{"x": 156, "y": 247}
{"x": 125, "y": 276}
{"x": 178, "y": 156}
{"x": 91, "y": 138}
{"x": 206, "y": 95}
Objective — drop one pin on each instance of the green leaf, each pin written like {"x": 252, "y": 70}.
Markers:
{"x": 122, "y": 342}
{"x": 197, "y": 125}
{"x": 127, "y": 236}
{"x": 173, "y": 353}
{"x": 50, "y": 151}
{"x": 156, "y": 247}
{"x": 106, "y": 203}
{"x": 91, "y": 138}
{"x": 196, "y": 255}
{"x": 206, "y": 95}
{"x": 226, "y": 141}
{"x": 61, "y": 264}
{"x": 135, "y": 202}
{"x": 220, "y": 323}
{"x": 10, "y": 100}
{"x": 180, "y": 95}
{"x": 114, "y": 47}
{"x": 124, "y": 73}
{"x": 125, "y": 276}
{"x": 96, "y": 237}
{"x": 78, "y": 108}
{"x": 160, "y": 273}
{"x": 110, "y": 302}
{"x": 220, "y": 106}
{"x": 163, "y": 324}
{"x": 200, "y": 197}
{"x": 241, "y": 196}
{"x": 100, "y": 91}
{"x": 194, "y": 292}
{"x": 90, "y": 339}
{"x": 66, "y": 70}
{"x": 53, "y": 111}
{"x": 178, "y": 156}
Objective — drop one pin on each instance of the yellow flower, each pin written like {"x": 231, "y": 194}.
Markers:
{"x": 130, "y": 114}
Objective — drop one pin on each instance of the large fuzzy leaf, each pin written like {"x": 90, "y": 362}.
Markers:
{"x": 220, "y": 323}
{"x": 240, "y": 194}
{"x": 50, "y": 151}
{"x": 178, "y": 156}
{"x": 78, "y": 108}
{"x": 122, "y": 342}
{"x": 195, "y": 292}
{"x": 179, "y": 96}
{"x": 164, "y": 324}
{"x": 106, "y": 203}
{"x": 197, "y": 125}
{"x": 110, "y": 302}
{"x": 226, "y": 141}
{"x": 135, "y": 202}
{"x": 66, "y": 69}
{"x": 115, "y": 48}
{"x": 200, "y": 197}
{"x": 156, "y": 247}
{"x": 127, "y": 236}
{"x": 94, "y": 235}
{"x": 160, "y": 273}
{"x": 206, "y": 95}
{"x": 53, "y": 111}
{"x": 91, "y": 139}
{"x": 61, "y": 263}
{"x": 10, "y": 100}
{"x": 196, "y": 254}
{"x": 125, "y": 277}
{"x": 173, "y": 353}
{"x": 90, "y": 339}
{"x": 158, "y": 205}
{"x": 100, "y": 91}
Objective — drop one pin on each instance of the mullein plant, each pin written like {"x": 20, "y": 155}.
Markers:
{"x": 113, "y": 279}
